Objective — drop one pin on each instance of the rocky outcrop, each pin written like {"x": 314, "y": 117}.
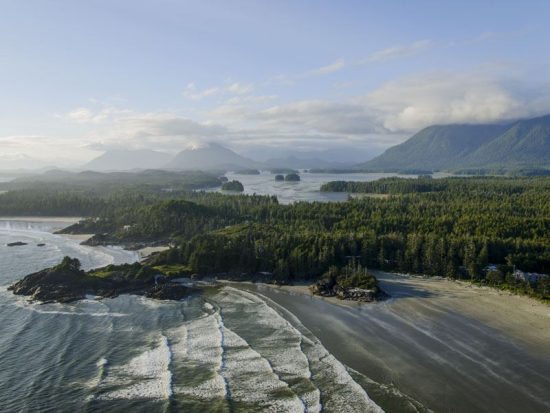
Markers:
{"x": 16, "y": 244}
{"x": 66, "y": 282}
{"x": 60, "y": 284}
{"x": 169, "y": 291}
{"x": 348, "y": 293}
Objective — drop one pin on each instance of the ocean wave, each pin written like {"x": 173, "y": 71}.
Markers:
{"x": 340, "y": 391}
{"x": 146, "y": 376}
{"x": 38, "y": 308}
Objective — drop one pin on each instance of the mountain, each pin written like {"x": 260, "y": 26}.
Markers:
{"x": 210, "y": 157}
{"x": 21, "y": 162}
{"x": 127, "y": 159}
{"x": 436, "y": 147}
{"x": 526, "y": 142}
{"x": 522, "y": 143}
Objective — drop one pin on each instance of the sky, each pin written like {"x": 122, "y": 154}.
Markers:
{"x": 264, "y": 78}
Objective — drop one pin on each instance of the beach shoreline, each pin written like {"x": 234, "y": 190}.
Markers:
{"x": 522, "y": 318}
{"x": 438, "y": 341}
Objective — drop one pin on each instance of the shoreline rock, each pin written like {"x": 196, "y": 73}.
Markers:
{"x": 67, "y": 283}
{"x": 16, "y": 244}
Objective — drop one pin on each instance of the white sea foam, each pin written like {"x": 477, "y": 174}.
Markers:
{"x": 198, "y": 344}
{"x": 38, "y": 308}
{"x": 146, "y": 376}
{"x": 276, "y": 340}
{"x": 340, "y": 392}
{"x": 251, "y": 379}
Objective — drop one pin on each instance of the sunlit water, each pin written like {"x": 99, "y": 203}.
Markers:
{"x": 307, "y": 189}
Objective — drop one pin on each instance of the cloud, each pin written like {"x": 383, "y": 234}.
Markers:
{"x": 441, "y": 98}
{"x": 331, "y": 68}
{"x": 397, "y": 52}
{"x": 86, "y": 115}
{"x": 22, "y": 149}
{"x": 235, "y": 88}
{"x": 317, "y": 115}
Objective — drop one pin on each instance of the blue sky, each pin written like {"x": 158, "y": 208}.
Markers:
{"x": 262, "y": 77}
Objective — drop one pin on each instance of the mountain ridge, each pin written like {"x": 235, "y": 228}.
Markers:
{"x": 522, "y": 143}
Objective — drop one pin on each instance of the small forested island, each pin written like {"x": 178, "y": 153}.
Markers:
{"x": 279, "y": 177}
{"x": 247, "y": 172}
{"x": 233, "y": 186}
{"x": 351, "y": 282}
{"x": 293, "y": 177}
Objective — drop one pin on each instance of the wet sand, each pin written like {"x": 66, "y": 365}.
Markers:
{"x": 451, "y": 346}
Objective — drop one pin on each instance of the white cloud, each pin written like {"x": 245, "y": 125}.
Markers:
{"x": 331, "y": 68}
{"x": 235, "y": 88}
{"x": 240, "y": 88}
{"x": 442, "y": 98}
{"x": 82, "y": 115}
{"x": 401, "y": 51}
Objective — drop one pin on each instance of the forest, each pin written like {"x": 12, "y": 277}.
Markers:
{"x": 479, "y": 229}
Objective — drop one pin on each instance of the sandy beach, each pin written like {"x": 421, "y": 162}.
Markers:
{"x": 523, "y": 318}
{"x": 441, "y": 342}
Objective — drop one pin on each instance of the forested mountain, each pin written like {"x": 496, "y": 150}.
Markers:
{"x": 525, "y": 143}
{"x": 210, "y": 157}
{"x": 127, "y": 159}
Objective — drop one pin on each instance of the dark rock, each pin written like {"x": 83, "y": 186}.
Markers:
{"x": 66, "y": 282}
{"x": 168, "y": 291}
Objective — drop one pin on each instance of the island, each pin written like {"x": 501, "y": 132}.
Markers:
{"x": 293, "y": 177}
{"x": 247, "y": 172}
{"x": 351, "y": 282}
{"x": 233, "y": 186}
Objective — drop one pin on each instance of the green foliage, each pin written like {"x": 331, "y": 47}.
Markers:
{"x": 69, "y": 264}
{"x": 292, "y": 177}
{"x": 126, "y": 272}
{"x": 233, "y": 186}
{"x": 248, "y": 172}
{"x": 452, "y": 227}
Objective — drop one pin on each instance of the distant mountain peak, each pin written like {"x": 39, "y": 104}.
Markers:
{"x": 127, "y": 159}
{"x": 210, "y": 156}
